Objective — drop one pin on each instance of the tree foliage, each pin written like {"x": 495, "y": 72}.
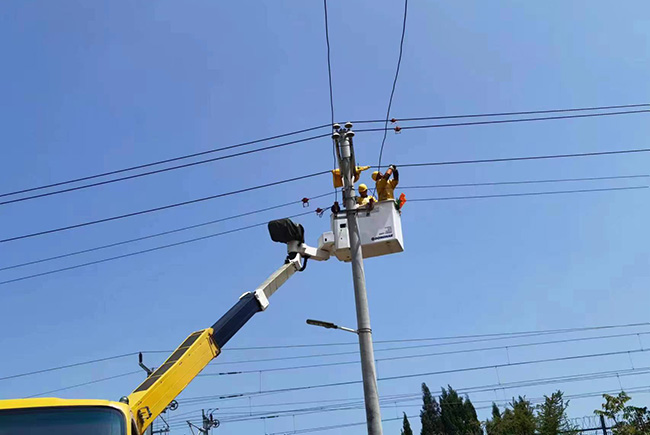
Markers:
{"x": 430, "y": 415}
{"x": 629, "y": 420}
{"x": 458, "y": 414}
{"x": 406, "y": 426}
{"x": 518, "y": 418}
{"x": 451, "y": 414}
{"x": 552, "y": 417}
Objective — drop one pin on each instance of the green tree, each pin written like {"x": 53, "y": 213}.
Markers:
{"x": 406, "y": 426}
{"x": 430, "y": 415}
{"x": 494, "y": 426}
{"x": 458, "y": 415}
{"x": 518, "y": 418}
{"x": 629, "y": 420}
{"x": 551, "y": 416}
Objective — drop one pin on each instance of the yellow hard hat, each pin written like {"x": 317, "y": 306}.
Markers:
{"x": 363, "y": 187}
{"x": 375, "y": 175}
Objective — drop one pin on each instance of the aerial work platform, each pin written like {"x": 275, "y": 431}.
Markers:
{"x": 380, "y": 230}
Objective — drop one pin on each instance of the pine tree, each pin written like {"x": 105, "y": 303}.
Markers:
{"x": 458, "y": 414}
{"x": 406, "y": 426}
{"x": 551, "y": 415}
{"x": 518, "y": 418}
{"x": 494, "y": 426}
{"x": 430, "y": 415}
{"x": 472, "y": 421}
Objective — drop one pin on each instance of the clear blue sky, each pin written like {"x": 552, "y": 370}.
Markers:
{"x": 92, "y": 87}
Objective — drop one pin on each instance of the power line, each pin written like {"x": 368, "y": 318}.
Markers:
{"x": 144, "y": 251}
{"x": 466, "y": 390}
{"x": 328, "y": 364}
{"x": 501, "y": 335}
{"x": 507, "y": 121}
{"x": 158, "y": 171}
{"x": 386, "y": 400}
{"x": 503, "y": 183}
{"x": 67, "y": 366}
{"x": 425, "y": 355}
{"x": 159, "y": 162}
{"x": 507, "y": 195}
{"x": 515, "y": 159}
{"x": 525, "y": 334}
{"x": 350, "y": 404}
{"x": 329, "y": 74}
{"x": 277, "y": 146}
{"x": 165, "y": 207}
{"x": 390, "y": 349}
{"x": 83, "y": 384}
{"x": 146, "y": 165}
{"x": 256, "y": 225}
{"x": 355, "y": 405}
{"x": 423, "y": 374}
{"x": 392, "y": 92}
{"x": 488, "y": 115}
{"x": 137, "y": 239}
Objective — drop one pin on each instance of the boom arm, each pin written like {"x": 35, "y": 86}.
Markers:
{"x": 163, "y": 385}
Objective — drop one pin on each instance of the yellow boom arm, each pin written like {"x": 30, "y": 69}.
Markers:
{"x": 165, "y": 383}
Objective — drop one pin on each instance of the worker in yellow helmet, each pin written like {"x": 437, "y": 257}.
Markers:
{"x": 384, "y": 185}
{"x": 338, "y": 180}
{"x": 364, "y": 198}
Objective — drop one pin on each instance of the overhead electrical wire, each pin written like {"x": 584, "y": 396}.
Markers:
{"x": 67, "y": 366}
{"x": 524, "y": 158}
{"x": 329, "y": 75}
{"x": 425, "y": 355}
{"x": 392, "y": 92}
{"x": 490, "y": 115}
{"x": 165, "y": 207}
{"x": 520, "y": 334}
{"x": 424, "y": 374}
{"x": 388, "y": 349}
{"x": 164, "y": 233}
{"x": 131, "y": 254}
{"x": 160, "y": 162}
{"x": 434, "y": 186}
{"x": 83, "y": 384}
{"x": 643, "y": 389}
{"x": 404, "y": 165}
{"x": 348, "y": 404}
{"x": 510, "y": 195}
{"x": 482, "y": 337}
{"x": 158, "y": 171}
{"x": 505, "y": 183}
{"x": 355, "y": 405}
{"x": 565, "y": 192}
{"x": 274, "y": 147}
{"x": 505, "y": 121}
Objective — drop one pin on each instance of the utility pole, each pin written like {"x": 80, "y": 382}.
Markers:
{"x": 344, "y": 148}
{"x": 207, "y": 423}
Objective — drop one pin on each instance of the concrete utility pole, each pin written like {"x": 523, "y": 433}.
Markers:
{"x": 343, "y": 141}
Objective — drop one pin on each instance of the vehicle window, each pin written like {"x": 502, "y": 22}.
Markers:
{"x": 75, "y": 420}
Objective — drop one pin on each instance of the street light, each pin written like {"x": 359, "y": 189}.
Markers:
{"x": 329, "y": 325}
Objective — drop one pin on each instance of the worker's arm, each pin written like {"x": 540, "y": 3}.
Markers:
{"x": 395, "y": 173}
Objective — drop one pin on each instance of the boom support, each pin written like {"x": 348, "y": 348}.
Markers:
{"x": 165, "y": 383}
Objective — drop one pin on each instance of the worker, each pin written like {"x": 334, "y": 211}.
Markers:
{"x": 384, "y": 185}
{"x": 364, "y": 198}
{"x": 338, "y": 180}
